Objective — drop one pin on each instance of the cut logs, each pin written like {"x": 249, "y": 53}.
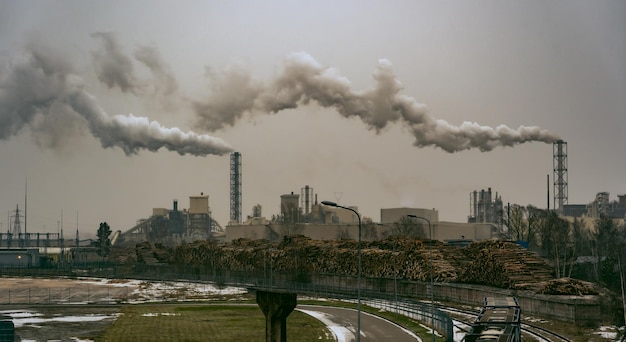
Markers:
{"x": 500, "y": 264}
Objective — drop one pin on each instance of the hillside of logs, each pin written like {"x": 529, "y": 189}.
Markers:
{"x": 501, "y": 264}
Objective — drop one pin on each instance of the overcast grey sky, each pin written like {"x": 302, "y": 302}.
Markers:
{"x": 112, "y": 108}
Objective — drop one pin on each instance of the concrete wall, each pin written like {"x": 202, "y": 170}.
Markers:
{"x": 276, "y": 232}
{"x": 444, "y": 231}
{"x": 199, "y": 204}
{"x": 573, "y": 309}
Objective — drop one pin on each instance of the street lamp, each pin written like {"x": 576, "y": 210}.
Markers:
{"x": 395, "y": 269}
{"x": 358, "y": 283}
{"x": 432, "y": 288}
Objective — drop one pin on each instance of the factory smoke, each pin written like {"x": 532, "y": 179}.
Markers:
{"x": 303, "y": 80}
{"x": 41, "y": 91}
{"x": 40, "y": 88}
{"x": 116, "y": 69}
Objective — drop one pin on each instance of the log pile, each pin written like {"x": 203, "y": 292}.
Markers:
{"x": 152, "y": 254}
{"x": 123, "y": 255}
{"x": 394, "y": 257}
{"x": 494, "y": 263}
{"x": 504, "y": 264}
{"x": 567, "y": 286}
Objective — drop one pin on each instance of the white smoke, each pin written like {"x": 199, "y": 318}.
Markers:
{"x": 303, "y": 80}
{"x": 41, "y": 91}
{"x": 115, "y": 68}
{"x": 38, "y": 82}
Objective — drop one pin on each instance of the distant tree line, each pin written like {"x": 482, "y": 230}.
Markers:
{"x": 595, "y": 253}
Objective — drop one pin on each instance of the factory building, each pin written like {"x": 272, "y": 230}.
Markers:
{"x": 600, "y": 206}
{"x": 173, "y": 226}
{"x": 310, "y": 218}
{"x": 484, "y": 208}
{"x": 392, "y": 215}
{"x": 19, "y": 257}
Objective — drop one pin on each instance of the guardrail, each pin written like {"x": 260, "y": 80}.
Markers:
{"x": 383, "y": 291}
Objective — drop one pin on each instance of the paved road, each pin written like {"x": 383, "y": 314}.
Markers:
{"x": 343, "y": 322}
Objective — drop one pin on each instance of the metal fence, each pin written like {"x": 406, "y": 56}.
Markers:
{"x": 394, "y": 296}
{"x": 74, "y": 295}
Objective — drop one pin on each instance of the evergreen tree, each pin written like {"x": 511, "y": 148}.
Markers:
{"x": 104, "y": 242}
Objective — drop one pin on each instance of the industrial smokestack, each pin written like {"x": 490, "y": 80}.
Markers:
{"x": 303, "y": 80}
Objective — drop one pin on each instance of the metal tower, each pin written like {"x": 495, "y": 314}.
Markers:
{"x": 235, "y": 187}
{"x": 306, "y": 199}
{"x": 559, "y": 164}
{"x": 16, "y": 229}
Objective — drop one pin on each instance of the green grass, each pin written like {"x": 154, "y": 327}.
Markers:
{"x": 206, "y": 323}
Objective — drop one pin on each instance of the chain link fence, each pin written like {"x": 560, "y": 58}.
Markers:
{"x": 377, "y": 292}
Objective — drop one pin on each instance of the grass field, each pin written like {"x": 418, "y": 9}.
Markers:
{"x": 206, "y": 323}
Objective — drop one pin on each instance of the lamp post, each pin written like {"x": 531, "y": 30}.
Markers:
{"x": 358, "y": 283}
{"x": 395, "y": 269}
{"x": 432, "y": 289}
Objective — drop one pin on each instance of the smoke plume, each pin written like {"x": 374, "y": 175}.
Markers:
{"x": 40, "y": 83}
{"x": 116, "y": 69}
{"x": 303, "y": 80}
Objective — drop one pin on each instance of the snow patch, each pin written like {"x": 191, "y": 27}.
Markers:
{"x": 341, "y": 334}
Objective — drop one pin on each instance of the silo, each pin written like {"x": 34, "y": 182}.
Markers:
{"x": 289, "y": 209}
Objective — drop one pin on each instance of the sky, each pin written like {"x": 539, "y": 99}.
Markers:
{"x": 111, "y": 108}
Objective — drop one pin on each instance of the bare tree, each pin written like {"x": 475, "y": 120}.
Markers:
{"x": 536, "y": 218}
{"x": 605, "y": 249}
{"x": 523, "y": 223}
{"x": 408, "y": 226}
{"x": 368, "y": 228}
{"x": 516, "y": 222}
{"x": 580, "y": 242}
{"x": 556, "y": 241}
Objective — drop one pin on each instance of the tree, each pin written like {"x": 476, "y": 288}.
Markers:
{"x": 605, "y": 249}
{"x": 556, "y": 241}
{"x": 516, "y": 222}
{"x": 104, "y": 242}
{"x": 368, "y": 229}
{"x": 409, "y": 226}
{"x": 523, "y": 223}
{"x": 580, "y": 242}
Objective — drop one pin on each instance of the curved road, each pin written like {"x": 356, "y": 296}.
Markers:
{"x": 343, "y": 323}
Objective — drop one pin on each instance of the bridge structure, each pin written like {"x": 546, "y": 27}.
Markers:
{"x": 276, "y": 294}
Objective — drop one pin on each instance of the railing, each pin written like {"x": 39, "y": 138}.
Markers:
{"x": 375, "y": 291}
{"x": 80, "y": 294}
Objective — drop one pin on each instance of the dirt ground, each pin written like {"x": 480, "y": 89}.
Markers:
{"x": 62, "y": 309}
{"x": 30, "y": 302}
{"x": 63, "y": 323}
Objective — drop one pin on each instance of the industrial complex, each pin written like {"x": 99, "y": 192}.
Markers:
{"x": 300, "y": 213}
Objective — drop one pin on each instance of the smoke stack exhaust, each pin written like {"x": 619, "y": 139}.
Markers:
{"x": 303, "y": 80}
{"x": 38, "y": 90}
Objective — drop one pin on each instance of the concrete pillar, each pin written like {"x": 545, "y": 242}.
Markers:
{"x": 276, "y": 307}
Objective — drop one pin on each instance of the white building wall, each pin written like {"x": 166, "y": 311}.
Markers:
{"x": 392, "y": 215}
{"x": 444, "y": 231}
{"x": 441, "y": 231}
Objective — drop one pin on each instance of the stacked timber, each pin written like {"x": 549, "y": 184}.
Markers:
{"x": 406, "y": 258}
{"x": 152, "y": 254}
{"x": 123, "y": 255}
{"x": 567, "y": 286}
{"x": 504, "y": 264}
{"x": 494, "y": 263}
